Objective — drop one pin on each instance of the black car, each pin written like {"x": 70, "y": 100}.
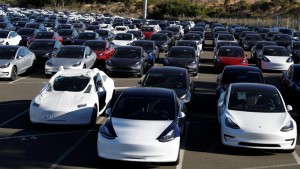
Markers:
{"x": 290, "y": 82}
{"x": 263, "y": 32}
{"x": 250, "y": 40}
{"x": 128, "y": 60}
{"x": 162, "y": 41}
{"x": 193, "y": 36}
{"x": 105, "y": 34}
{"x": 238, "y": 31}
{"x": 294, "y": 49}
{"x": 51, "y": 26}
{"x": 68, "y": 35}
{"x": 269, "y": 36}
{"x": 19, "y": 24}
{"x": 190, "y": 43}
{"x": 243, "y": 35}
{"x": 176, "y": 32}
{"x": 282, "y": 39}
{"x": 139, "y": 35}
{"x": 174, "y": 78}
{"x": 39, "y": 26}
{"x": 92, "y": 28}
{"x": 183, "y": 56}
{"x": 170, "y": 36}
{"x": 80, "y": 27}
{"x": 238, "y": 74}
{"x": 84, "y": 36}
{"x": 150, "y": 48}
{"x": 26, "y": 34}
{"x": 7, "y": 26}
{"x": 257, "y": 48}
{"x": 44, "y": 49}
{"x": 64, "y": 26}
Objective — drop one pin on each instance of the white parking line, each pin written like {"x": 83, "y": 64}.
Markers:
{"x": 24, "y": 77}
{"x": 296, "y": 157}
{"x": 10, "y": 120}
{"x": 59, "y": 160}
{"x": 182, "y": 150}
{"x": 273, "y": 166}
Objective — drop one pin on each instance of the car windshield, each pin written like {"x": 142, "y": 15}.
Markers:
{"x": 3, "y": 34}
{"x": 226, "y": 37}
{"x": 86, "y": 36}
{"x": 95, "y": 45}
{"x": 194, "y": 45}
{"x": 26, "y": 31}
{"x": 78, "y": 25}
{"x": 2, "y": 25}
{"x": 145, "y": 45}
{"x": 255, "y": 101}
{"x": 7, "y": 54}
{"x": 103, "y": 33}
{"x": 234, "y": 76}
{"x": 71, "y": 84}
{"x": 259, "y": 46}
{"x": 282, "y": 37}
{"x": 120, "y": 29}
{"x": 159, "y": 37}
{"x": 144, "y": 108}
{"x": 40, "y": 45}
{"x": 147, "y": 29}
{"x": 173, "y": 29}
{"x": 33, "y": 26}
{"x": 276, "y": 52}
{"x": 168, "y": 80}
{"x": 231, "y": 52}
{"x": 296, "y": 46}
{"x": 286, "y": 31}
{"x": 191, "y": 37}
{"x": 70, "y": 53}
{"x": 135, "y": 33}
{"x": 227, "y": 44}
{"x": 65, "y": 32}
{"x": 21, "y": 24}
{"x": 127, "y": 53}
{"x": 182, "y": 53}
{"x": 49, "y": 24}
{"x": 123, "y": 37}
{"x": 44, "y": 35}
{"x": 92, "y": 27}
{"x": 296, "y": 75}
{"x": 263, "y": 30}
{"x": 64, "y": 26}
{"x": 253, "y": 38}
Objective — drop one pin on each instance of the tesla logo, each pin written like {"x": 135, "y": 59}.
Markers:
{"x": 259, "y": 126}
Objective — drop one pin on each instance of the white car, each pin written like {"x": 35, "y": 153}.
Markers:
{"x": 143, "y": 126}
{"x": 274, "y": 58}
{"x": 71, "y": 57}
{"x": 253, "y": 115}
{"x": 123, "y": 39}
{"x": 121, "y": 29}
{"x": 15, "y": 60}
{"x": 73, "y": 97}
{"x": 106, "y": 27}
{"x": 9, "y": 37}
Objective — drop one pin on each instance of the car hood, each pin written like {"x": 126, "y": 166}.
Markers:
{"x": 180, "y": 61}
{"x": 40, "y": 52}
{"x": 259, "y": 121}
{"x": 124, "y": 61}
{"x": 231, "y": 60}
{"x": 64, "y": 61}
{"x": 277, "y": 59}
{"x": 142, "y": 130}
{"x": 62, "y": 99}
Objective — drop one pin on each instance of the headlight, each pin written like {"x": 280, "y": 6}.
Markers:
{"x": 289, "y": 60}
{"x": 168, "y": 137}
{"x": 110, "y": 63}
{"x": 81, "y": 105}
{"x": 137, "y": 63}
{"x": 193, "y": 63}
{"x": 34, "y": 104}
{"x": 229, "y": 123}
{"x": 77, "y": 64}
{"x": 288, "y": 127}
{"x": 104, "y": 131}
{"x": 100, "y": 54}
{"x": 49, "y": 63}
{"x": 244, "y": 61}
{"x": 5, "y": 65}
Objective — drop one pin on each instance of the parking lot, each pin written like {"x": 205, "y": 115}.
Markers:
{"x": 23, "y": 145}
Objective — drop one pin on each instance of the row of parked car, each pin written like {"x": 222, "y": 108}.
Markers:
{"x": 151, "y": 119}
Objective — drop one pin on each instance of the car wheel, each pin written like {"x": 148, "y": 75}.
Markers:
{"x": 289, "y": 151}
{"x": 84, "y": 67}
{"x": 196, "y": 72}
{"x": 13, "y": 74}
{"x": 94, "y": 116}
{"x": 6, "y": 43}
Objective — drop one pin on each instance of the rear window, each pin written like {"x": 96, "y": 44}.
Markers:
{"x": 231, "y": 52}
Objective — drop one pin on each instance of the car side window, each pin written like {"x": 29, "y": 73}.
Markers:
{"x": 98, "y": 81}
{"x": 21, "y": 52}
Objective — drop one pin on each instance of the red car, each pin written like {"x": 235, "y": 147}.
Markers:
{"x": 103, "y": 50}
{"x": 149, "y": 30}
{"x": 230, "y": 55}
{"x": 45, "y": 35}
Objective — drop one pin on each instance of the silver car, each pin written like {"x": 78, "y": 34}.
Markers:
{"x": 71, "y": 57}
{"x": 15, "y": 60}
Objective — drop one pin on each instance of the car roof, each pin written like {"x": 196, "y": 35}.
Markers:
{"x": 182, "y": 47}
{"x": 167, "y": 69}
{"x": 129, "y": 47}
{"x": 236, "y": 67}
{"x": 73, "y": 46}
{"x": 77, "y": 72}
{"x": 45, "y": 40}
{"x": 253, "y": 87}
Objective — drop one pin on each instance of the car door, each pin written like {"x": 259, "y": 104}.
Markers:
{"x": 101, "y": 92}
{"x": 14, "y": 40}
{"x": 89, "y": 57}
{"x": 28, "y": 58}
{"x": 20, "y": 61}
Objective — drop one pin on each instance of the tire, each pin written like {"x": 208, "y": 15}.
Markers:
{"x": 196, "y": 73}
{"x": 94, "y": 116}
{"x": 13, "y": 74}
{"x": 84, "y": 67}
{"x": 6, "y": 43}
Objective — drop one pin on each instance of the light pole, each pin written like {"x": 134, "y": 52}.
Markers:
{"x": 145, "y": 10}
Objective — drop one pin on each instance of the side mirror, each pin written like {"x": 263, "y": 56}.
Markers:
{"x": 108, "y": 111}
{"x": 220, "y": 104}
{"x": 289, "y": 108}
{"x": 100, "y": 89}
{"x": 19, "y": 57}
{"x": 181, "y": 115}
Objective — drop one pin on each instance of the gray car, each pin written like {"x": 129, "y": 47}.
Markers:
{"x": 71, "y": 57}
